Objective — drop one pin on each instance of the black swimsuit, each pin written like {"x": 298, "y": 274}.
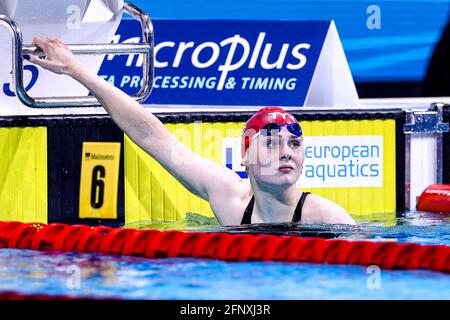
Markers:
{"x": 247, "y": 218}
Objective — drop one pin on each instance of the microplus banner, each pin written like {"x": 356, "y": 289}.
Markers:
{"x": 203, "y": 63}
{"x": 243, "y": 63}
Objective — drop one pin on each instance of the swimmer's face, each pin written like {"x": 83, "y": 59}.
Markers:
{"x": 276, "y": 159}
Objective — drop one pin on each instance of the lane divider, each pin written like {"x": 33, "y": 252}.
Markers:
{"x": 12, "y": 295}
{"x": 222, "y": 246}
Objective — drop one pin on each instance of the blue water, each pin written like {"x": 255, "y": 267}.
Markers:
{"x": 411, "y": 227}
{"x": 103, "y": 276}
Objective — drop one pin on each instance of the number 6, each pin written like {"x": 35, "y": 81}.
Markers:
{"x": 98, "y": 187}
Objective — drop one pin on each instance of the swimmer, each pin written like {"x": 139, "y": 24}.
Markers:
{"x": 272, "y": 153}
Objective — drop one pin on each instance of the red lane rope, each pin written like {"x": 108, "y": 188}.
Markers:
{"x": 12, "y": 295}
{"x": 223, "y": 246}
{"x": 22, "y": 296}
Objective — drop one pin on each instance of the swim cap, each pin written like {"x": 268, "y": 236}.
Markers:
{"x": 260, "y": 119}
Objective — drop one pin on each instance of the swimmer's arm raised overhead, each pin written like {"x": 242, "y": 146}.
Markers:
{"x": 201, "y": 176}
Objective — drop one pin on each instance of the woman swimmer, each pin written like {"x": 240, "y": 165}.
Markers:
{"x": 272, "y": 152}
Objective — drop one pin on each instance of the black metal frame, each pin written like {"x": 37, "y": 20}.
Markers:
{"x": 446, "y": 148}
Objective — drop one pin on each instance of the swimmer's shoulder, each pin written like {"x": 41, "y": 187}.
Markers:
{"x": 229, "y": 206}
{"x": 319, "y": 210}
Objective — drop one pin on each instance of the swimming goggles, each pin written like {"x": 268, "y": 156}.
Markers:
{"x": 275, "y": 128}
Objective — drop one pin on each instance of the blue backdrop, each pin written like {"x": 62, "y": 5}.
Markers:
{"x": 398, "y": 50}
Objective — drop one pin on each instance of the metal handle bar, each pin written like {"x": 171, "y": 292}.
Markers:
{"x": 146, "y": 48}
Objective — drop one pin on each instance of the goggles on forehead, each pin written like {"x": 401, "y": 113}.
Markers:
{"x": 275, "y": 128}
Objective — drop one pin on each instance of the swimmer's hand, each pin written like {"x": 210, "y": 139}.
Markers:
{"x": 59, "y": 58}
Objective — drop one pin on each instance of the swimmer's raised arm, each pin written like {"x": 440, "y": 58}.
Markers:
{"x": 201, "y": 176}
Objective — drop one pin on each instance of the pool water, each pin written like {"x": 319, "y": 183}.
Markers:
{"x": 101, "y": 276}
{"x": 411, "y": 227}
{"x": 104, "y": 276}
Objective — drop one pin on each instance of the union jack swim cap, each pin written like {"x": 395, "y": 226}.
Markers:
{"x": 260, "y": 119}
